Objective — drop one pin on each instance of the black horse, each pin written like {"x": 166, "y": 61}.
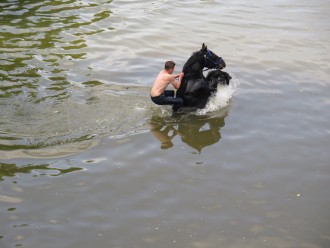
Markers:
{"x": 195, "y": 88}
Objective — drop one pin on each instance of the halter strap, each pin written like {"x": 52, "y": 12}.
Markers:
{"x": 209, "y": 55}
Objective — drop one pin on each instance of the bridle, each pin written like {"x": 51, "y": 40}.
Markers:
{"x": 207, "y": 56}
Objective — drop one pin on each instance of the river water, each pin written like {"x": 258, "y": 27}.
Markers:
{"x": 87, "y": 160}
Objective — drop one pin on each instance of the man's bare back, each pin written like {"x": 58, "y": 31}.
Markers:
{"x": 163, "y": 79}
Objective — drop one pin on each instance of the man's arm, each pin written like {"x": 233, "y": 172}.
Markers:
{"x": 177, "y": 84}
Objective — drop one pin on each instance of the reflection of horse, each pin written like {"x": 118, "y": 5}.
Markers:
{"x": 202, "y": 131}
{"x": 195, "y": 89}
{"x": 196, "y": 131}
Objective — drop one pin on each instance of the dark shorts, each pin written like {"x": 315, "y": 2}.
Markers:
{"x": 167, "y": 98}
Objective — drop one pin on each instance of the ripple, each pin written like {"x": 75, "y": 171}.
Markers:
{"x": 41, "y": 129}
{"x": 51, "y": 32}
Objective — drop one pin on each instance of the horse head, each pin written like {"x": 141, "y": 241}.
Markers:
{"x": 200, "y": 59}
{"x": 212, "y": 61}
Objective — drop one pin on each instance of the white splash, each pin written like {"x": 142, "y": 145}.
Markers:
{"x": 221, "y": 99}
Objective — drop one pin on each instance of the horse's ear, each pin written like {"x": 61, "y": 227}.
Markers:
{"x": 204, "y": 47}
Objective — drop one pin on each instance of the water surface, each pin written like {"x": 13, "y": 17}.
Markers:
{"x": 86, "y": 159}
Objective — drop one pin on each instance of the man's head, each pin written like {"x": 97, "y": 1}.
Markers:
{"x": 169, "y": 66}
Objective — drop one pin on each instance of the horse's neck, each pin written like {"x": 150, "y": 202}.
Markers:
{"x": 194, "y": 65}
{"x": 195, "y": 69}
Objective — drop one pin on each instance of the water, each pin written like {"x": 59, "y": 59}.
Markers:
{"x": 86, "y": 159}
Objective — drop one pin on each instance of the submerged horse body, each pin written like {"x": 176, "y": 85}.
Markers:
{"x": 195, "y": 88}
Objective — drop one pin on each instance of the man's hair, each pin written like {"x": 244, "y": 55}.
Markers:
{"x": 169, "y": 65}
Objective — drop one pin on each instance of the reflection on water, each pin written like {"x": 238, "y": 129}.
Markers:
{"x": 162, "y": 131}
{"x": 194, "y": 130}
{"x": 43, "y": 53}
{"x": 11, "y": 170}
{"x": 39, "y": 41}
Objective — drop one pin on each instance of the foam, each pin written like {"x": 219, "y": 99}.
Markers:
{"x": 221, "y": 99}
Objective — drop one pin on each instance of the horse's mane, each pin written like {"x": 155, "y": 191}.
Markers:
{"x": 193, "y": 58}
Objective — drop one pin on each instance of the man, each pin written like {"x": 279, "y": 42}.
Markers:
{"x": 158, "y": 93}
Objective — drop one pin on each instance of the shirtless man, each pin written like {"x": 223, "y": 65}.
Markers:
{"x": 158, "y": 93}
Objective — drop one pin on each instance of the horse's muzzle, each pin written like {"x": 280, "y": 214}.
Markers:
{"x": 221, "y": 66}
